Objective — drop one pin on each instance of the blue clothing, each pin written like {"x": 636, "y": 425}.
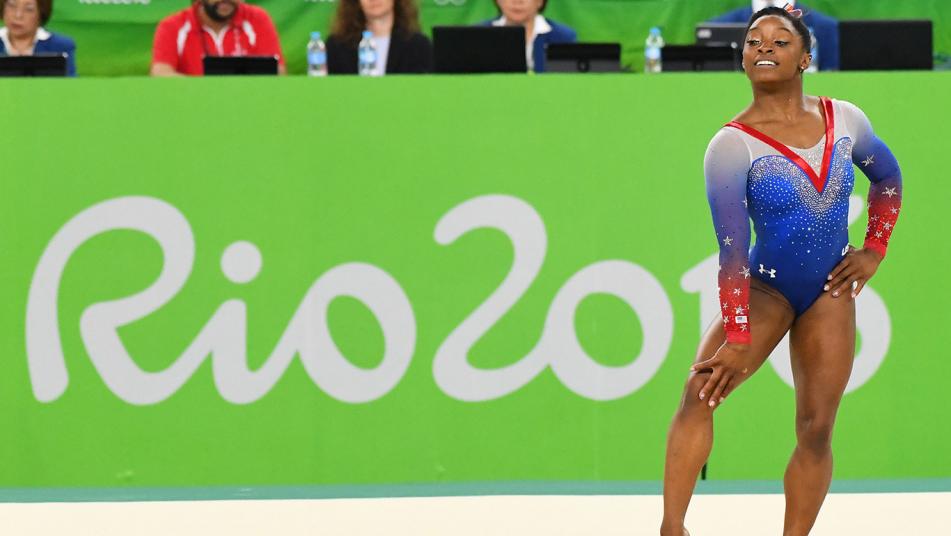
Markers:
{"x": 798, "y": 200}
{"x": 824, "y": 27}
{"x": 559, "y": 34}
{"x": 53, "y": 44}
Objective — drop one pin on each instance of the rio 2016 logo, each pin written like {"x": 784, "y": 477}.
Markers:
{"x": 224, "y": 337}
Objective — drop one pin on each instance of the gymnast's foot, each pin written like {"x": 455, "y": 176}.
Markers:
{"x": 668, "y": 531}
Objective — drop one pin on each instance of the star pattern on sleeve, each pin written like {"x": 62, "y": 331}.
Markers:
{"x": 728, "y": 241}
{"x": 869, "y": 160}
{"x": 882, "y": 215}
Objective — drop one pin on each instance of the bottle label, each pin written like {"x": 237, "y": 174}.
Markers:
{"x": 317, "y": 58}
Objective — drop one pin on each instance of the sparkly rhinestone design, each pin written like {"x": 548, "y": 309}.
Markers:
{"x": 812, "y": 155}
{"x": 795, "y": 222}
{"x": 774, "y": 174}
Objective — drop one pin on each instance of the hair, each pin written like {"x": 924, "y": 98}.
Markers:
{"x": 349, "y": 21}
{"x": 540, "y": 10}
{"x": 45, "y": 8}
{"x": 797, "y": 23}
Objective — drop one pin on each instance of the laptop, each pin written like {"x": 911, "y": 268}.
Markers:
{"x": 718, "y": 34}
{"x": 878, "y": 45}
{"x": 37, "y": 65}
{"x": 240, "y": 65}
{"x": 701, "y": 58}
{"x": 583, "y": 58}
{"x": 479, "y": 49}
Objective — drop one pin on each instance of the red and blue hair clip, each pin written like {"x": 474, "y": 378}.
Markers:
{"x": 794, "y": 12}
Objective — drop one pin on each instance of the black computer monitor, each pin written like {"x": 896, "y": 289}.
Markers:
{"x": 479, "y": 49}
{"x": 37, "y": 65}
{"x": 719, "y": 34}
{"x": 700, "y": 58}
{"x": 240, "y": 65}
{"x": 583, "y": 58}
{"x": 874, "y": 45}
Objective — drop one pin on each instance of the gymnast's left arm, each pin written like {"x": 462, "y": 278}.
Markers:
{"x": 876, "y": 160}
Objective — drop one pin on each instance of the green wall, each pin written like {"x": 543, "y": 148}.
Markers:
{"x": 116, "y": 38}
{"x": 322, "y": 174}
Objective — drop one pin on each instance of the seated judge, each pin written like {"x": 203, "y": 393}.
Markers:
{"x": 212, "y": 28}
{"x": 400, "y": 47}
{"x": 539, "y": 31}
{"x": 23, "y": 33}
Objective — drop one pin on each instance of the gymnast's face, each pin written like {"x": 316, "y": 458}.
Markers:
{"x": 774, "y": 51}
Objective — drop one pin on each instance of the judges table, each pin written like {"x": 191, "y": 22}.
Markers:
{"x": 302, "y": 288}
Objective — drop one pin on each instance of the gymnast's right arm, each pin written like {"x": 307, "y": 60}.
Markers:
{"x": 726, "y": 166}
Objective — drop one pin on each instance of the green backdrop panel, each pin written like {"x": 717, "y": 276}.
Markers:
{"x": 342, "y": 182}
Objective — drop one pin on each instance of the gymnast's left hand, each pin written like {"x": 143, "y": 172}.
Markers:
{"x": 857, "y": 267}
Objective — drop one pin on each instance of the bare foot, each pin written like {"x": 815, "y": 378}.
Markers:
{"x": 685, "y": 532}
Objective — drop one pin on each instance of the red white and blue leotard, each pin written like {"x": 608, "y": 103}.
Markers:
{"x": 798, "y": 200}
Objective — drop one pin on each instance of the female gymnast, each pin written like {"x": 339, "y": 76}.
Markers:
{"x": 801, "y": 276}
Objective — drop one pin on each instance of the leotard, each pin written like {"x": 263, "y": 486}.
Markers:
{"x": 798, "y": 200}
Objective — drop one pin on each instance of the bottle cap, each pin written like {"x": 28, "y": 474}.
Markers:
{"x": 655, "y": 30}
{"x": 367, "y": 34}
{"x": 315, "y": 36}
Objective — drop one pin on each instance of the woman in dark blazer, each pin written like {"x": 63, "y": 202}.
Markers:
{"x": 401, "y": 48}
{"x": 23, "y": 33}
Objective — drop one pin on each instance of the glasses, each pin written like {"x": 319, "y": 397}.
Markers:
{"x": 26, "y": 8}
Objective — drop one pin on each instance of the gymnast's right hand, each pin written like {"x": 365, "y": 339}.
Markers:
{"x": 728, "y": 367}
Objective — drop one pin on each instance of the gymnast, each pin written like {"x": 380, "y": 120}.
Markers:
{"x": 800, "y": 277}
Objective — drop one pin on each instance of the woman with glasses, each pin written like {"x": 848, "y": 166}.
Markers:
{"x": 23, "y": 33}
{"x": 539, "y": 30}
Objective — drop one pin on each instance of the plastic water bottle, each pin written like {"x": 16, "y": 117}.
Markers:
{"x": 316, "y": 56}
{"x": 367, "y": 55}
{"x": 655, "y": 42}
{"x": 814, "y": 51}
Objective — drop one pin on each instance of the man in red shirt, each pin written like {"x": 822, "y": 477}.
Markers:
{"x": 212, "y": 28}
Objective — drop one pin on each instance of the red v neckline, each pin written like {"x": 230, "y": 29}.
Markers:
{"x": 818, "y": 181}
